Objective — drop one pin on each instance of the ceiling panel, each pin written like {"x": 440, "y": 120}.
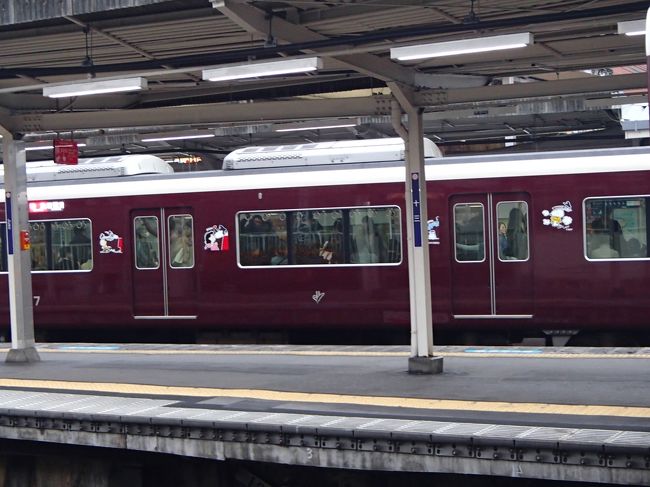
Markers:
{"x": 170, "y": 42}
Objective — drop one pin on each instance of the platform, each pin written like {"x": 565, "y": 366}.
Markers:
{"x": 565, "y": 414}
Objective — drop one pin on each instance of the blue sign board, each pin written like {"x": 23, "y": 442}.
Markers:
{"x": 10, "y": 226}
{"x": 415, "y": 194}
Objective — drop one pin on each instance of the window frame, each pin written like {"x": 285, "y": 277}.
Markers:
{"x": 469, "y": 203}
{"x": 584, "y": 228}
{"x": 287, "y": 211}
{"x": 135, "y": 242}
{"x": 169, "y": 242}
{"x": 498, "y": 253}
{"x": 56, "y": 271}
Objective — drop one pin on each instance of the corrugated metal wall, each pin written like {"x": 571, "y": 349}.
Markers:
{"x": 18, "y": 11}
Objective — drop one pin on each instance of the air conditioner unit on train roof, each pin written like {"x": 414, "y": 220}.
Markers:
{"x": 323, "y": 153}
{"x": 95, "y": 167}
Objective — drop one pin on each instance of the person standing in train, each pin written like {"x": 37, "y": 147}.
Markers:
{"x": 368, "y": 244}
{"x": 517, "y": 232}
{"x": 80, "y": 244}
{"x": 146, "y": 248}
{"x": 503, "y": 240}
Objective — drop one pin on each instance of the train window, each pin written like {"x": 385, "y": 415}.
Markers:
{"x": 320, "y": 236}
{"x": 375, "y": 236}
{"x": 469, "y": 232}
{"x": 616, "y": 228}
{"x": 317, "y": 237}
{"x": 263, "y": 239}
{"x": 61, "y": 245}
{"x": 146, "y": 242}
{"x": 512, "y": 230}
{"x": 181, "y": 241}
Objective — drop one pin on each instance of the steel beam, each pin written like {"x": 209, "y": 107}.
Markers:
{"x": 307, "y": 109}
{"x": 203, "y": 114}
{"x": 577, "y": 86}
{"x": 257, "y": 22}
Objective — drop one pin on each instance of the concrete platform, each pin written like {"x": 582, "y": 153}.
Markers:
{"x": 529, "y": 412}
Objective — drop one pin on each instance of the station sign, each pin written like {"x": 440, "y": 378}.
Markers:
{"x": 66, "y": 151}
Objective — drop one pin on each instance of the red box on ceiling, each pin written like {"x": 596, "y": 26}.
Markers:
{"x": 66, "y": 151}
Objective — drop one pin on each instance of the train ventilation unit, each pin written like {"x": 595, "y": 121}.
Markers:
{"x": 323, "y": 153}
{"x": 95, "y": 167}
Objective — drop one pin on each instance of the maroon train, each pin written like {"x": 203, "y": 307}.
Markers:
{"x": 533, "y": 245}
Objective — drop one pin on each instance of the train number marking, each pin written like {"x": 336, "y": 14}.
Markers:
{"x": 37, "y": 300}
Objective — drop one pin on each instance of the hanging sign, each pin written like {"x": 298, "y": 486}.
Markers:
{"x": 66, "y": 151}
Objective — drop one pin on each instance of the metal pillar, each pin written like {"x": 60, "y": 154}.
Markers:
{"x": 421, "y": 360}
{"x": 18, "y": 253}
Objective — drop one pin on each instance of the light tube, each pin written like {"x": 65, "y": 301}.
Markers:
{"x": 269, "y": 68}
{"x": 465, "y": 46}
{"x": 95, "y": 87}
{"x": 632, "y": 27}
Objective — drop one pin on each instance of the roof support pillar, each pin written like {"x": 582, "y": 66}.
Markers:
{"x": 16, "y": 241}
{"x": 421, "y": 360}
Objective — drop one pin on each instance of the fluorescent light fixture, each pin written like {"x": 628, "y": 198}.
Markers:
{"x": 465, "y": 46}
{"x": 243, "y": 129}
{"x": 632, "y": 27}
{"x": 95, "y": 87}
{"x": 316, "y": 125}
{"x": 191, "y": 134}
{"x": 45, "y": 145}
{"x": 267, "y": 68}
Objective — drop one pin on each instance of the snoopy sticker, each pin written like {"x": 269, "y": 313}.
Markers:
{"x": 558, "y": 218}
{"x": 432, "y": 226}
{"x": 216, "y": 239}
{"x": 110, "y": 243}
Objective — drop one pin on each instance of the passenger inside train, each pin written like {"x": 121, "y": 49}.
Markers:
{"x": 470, "y": 246}
{"x": 368, "y": 243}
{"x": 517, "y": 235}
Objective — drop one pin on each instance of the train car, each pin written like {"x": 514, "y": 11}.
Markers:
{"x": 307, "y": 243}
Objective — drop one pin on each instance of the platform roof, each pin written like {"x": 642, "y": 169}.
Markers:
{"x": 561, "y": 91}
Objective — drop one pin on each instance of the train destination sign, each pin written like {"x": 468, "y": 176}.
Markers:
{"x": 45, "y": 206}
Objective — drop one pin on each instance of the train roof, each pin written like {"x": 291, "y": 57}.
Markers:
{"x": 450, "y": 168}
{"x": 95, "y": 167}
{"x": 323, "y": 153}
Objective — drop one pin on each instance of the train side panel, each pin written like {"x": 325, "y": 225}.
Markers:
{"x": 554, "y": 281}
{"x": 290, "y": 297}
{"x": 569, "y": 290}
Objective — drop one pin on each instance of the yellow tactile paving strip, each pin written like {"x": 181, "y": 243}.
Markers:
{"x": 384, "y": 401}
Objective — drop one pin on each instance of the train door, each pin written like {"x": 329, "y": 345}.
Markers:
{"x": 491, "y": 259}
{"x": 164, "y": 276}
